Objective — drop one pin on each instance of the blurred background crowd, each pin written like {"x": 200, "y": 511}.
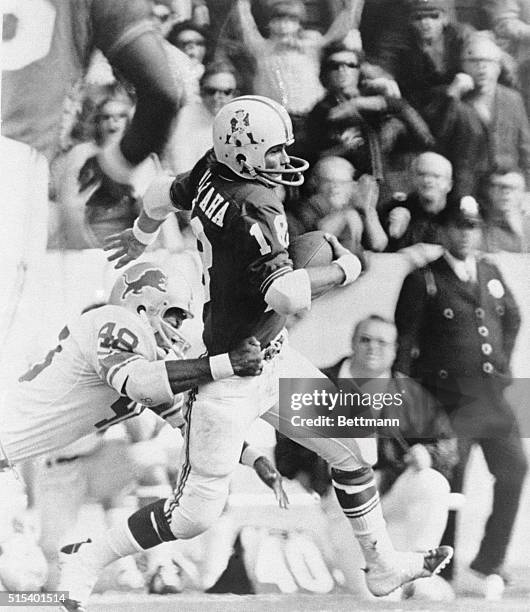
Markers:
{"x": 414, "y": 116}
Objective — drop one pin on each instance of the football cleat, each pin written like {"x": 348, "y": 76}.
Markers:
{"x": 167, "y": 580}
{"x": 77, "y": 576}
{"x": 382, "y": 579}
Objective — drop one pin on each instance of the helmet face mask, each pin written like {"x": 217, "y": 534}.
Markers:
{"x": 147, "y": 291}
{"x": 244, "y": 131}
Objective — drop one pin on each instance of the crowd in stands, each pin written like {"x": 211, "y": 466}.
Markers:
{"x": 427, "y": 83}
{"x": 414, "y": 115}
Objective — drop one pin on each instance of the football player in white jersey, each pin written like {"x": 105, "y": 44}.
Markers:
{"x": 108, "y": 366}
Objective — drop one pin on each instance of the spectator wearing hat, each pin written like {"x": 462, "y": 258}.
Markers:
{"x": 457, "y": 324}
{"x": 192, "y": 41}
{"x": 425, "y": 60}
{"x": 510, "y": 20}
{"x": 506, "y": 212}
{"x": 287, "y": 62}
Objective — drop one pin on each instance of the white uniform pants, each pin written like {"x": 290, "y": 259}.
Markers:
{"x": 217, "y": 425}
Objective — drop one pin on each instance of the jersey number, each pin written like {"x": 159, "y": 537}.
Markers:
{"x": 280, "y": 225}
{"x": 27, "y": 32}
{"x": 124, "y": 340}
{"x": 124, "y": 408}
{"x": 205, "y": 250}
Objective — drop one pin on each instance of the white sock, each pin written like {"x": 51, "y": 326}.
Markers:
{"x": 360, "y": 503}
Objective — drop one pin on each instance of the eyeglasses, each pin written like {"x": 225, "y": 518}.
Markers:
{"x": 426, "y": 15}
{"x": 108, "y": 116}
{"x": 191, "y": 42}
{"x": 211, "y": 91}
{"x": 333, "y": 65}
{"x": 378, "y": 341}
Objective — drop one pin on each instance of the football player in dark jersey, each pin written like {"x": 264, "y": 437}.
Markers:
{"x": 250, "y": 286}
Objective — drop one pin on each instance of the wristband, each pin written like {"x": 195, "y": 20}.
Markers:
{"x": 221, "y": 367}
{"x": 249, "y": 456}
{"x": 350, "y": 264}
{"x": 145, "y": 238}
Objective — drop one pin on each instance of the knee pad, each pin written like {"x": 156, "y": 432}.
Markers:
{"x": 149, "y": 525}
{"x": 360, "y": 476}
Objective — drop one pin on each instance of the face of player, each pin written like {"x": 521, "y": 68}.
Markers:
{"x": 506, "y": 192}
{"x": 192, "y": 44}
{"x": 113, "y": 120}
{"x": 432, "y": 182}
{"x": 462, "y": 242}
{"x": 342, "y": 72}
{"x": 482, "y": 63}
{"x": 429, "y": 27}
{"x": 283, "y": 27}
{"x": 335, "y": 183}
{"x": 374, "y": 347}
{"x": 276, "y": 158}
{"x": 217, "y": 90}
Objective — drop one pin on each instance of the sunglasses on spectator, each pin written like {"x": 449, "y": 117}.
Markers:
{"x": 211, "y": 91}
{"x": 108, "y": 116}
{"x": 426, "y": 15}
{"x": 195, "y": 42}
{"x": 333, "y": 65}
{"x": 378, "y": 341}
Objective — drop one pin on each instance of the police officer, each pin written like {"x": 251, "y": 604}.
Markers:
{"x": 457, "y": 322}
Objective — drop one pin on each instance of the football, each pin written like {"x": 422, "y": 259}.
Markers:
{"x": 310, "y": 250}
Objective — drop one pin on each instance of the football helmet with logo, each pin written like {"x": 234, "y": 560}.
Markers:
{"x": 162, "y": 302}
{"x": 245, "y": 129}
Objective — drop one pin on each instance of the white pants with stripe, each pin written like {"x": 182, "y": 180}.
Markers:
{"x": 217, "y": 425}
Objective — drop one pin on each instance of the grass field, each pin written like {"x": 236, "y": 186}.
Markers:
{"x": 291, "y": 603}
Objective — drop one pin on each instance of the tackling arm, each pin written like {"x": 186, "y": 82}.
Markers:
{"x": 156, "y": 382}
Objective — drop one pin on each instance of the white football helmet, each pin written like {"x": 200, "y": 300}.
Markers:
{"x": 163, "y": 303}
{"x": 245, "y": 129}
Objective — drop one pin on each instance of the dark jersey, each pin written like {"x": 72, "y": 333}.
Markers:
{"x": 242, "y": 237}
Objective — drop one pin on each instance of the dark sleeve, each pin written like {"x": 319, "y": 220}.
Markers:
{"x": 182, "y": 190}
{"x": 123, "y": 32}
{"x": 316, "y": 140}
{"x": 511, "y": 320}
{"x": 262, "y": 239}
{"x": 410, "y": 311}
{"x": 444, "y": 455}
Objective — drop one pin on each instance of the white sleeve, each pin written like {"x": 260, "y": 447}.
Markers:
{"x": 147, "y": 382}
{"x": 157, "y": 201}
{"x": 290, "y": 293}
